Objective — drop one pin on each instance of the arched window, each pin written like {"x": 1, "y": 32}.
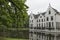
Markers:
{"x": 49, "y": 12}
{"x": 47, "y": 19}
{"x": 51, "y": 18}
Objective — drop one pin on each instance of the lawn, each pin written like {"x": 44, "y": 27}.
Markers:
{"x": 13, "y": 39}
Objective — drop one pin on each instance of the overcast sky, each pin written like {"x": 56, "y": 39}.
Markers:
{"x": 42, "y": 5}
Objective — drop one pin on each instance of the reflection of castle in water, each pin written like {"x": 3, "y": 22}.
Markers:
{"x": 45, "y": 26}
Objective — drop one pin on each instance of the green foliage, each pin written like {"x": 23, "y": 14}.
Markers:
{"x": 13, "y": 15}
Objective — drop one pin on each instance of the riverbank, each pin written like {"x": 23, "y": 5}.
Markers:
{"x": 3, "y": 38}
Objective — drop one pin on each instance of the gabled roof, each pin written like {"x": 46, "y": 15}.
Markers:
{"x": 36, "y": 16}
{"x": 43, "y": 13}
{"x": 56, "y": 11}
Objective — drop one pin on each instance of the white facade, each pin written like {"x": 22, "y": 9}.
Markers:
{"x": 45, "y": 26}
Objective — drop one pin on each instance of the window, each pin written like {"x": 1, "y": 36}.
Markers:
{"x": 42, "y": 20}
{"x": 32, "y": 20}
{"x": 49, "y": 12}
{"x": 47, "y": 19}
{"x": 49, "y": 24}
{"x": 39, "y": 20}
{"x": 40, "y": 16}
{"x": 51, "y": 18}
{"x": 39, "y": 25}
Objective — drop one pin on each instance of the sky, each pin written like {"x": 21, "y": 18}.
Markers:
{"x": 36, "y": 6}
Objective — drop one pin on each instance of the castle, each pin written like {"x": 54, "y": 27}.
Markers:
{"x": 45, "y": 26}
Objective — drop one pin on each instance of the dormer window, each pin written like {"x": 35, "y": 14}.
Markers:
{"x": 47, "y": 19}
{"x": 42, "y": 20}
{"x": 40, "y": 16}
{"x": 49, "y": 12}
{"x": 51, "y": 18}
{"x": 37, "y": 20}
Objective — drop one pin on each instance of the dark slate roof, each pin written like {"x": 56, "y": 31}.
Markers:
{"x": 36, "y": 16}
{"x": 44, "y": 13}
{"x": 56, "y": 11}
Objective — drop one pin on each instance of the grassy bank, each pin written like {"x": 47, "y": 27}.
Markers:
{"x": 1, "y": 38}
{"x": 14, "y": 39}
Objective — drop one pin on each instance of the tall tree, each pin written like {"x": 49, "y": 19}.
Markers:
{"x": 14, "y": 14}
{"x": 20, "y": 12}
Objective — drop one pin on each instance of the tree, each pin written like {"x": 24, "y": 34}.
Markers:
{"x": 13, "y": 13}
{"x": 19, "y": 14}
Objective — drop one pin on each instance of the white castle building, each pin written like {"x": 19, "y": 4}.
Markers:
{"x": 45, "y": 26}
